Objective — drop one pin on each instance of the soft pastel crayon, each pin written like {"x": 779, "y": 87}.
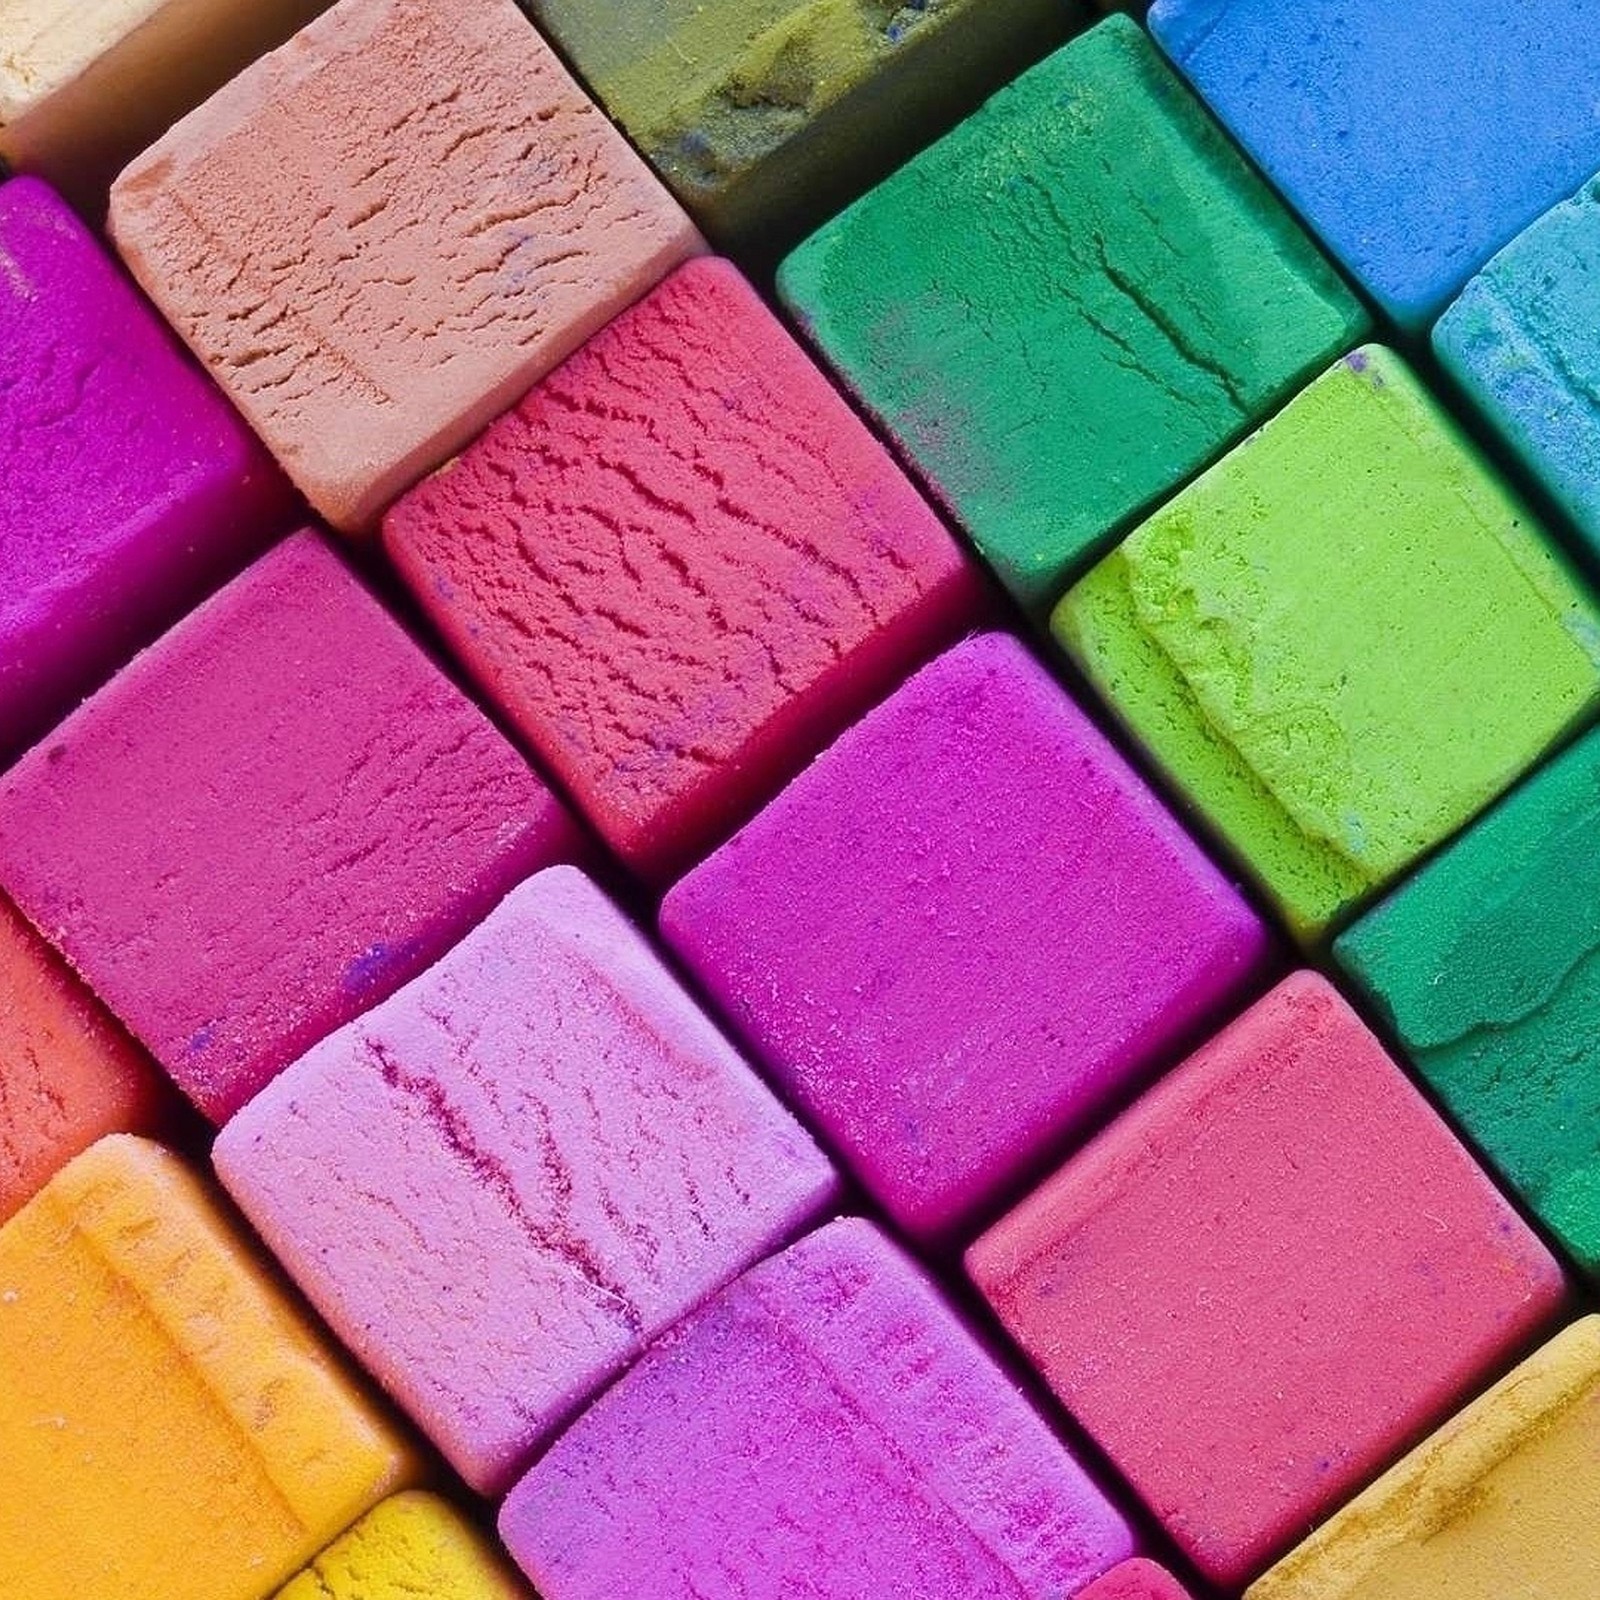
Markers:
{"x": 1136, "y": 1580}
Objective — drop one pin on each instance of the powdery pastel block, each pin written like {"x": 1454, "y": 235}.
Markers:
{"x": 1136, "y": 1580}
{"x": 680, "y": 566}
{"x": 172, "y": 1426}
{"x": 129, "y": 486}
{"x": 379, "y": 236}
{"x": 502, "y": 1183}
{"x": 961, "y": 932}
{"x": 271, "y": 819}
{"x": 827, "y": 1429}
{"x": 1267, "y": 1279}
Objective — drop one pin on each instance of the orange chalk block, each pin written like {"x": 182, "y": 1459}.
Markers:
{"x": 171, "y": 1427}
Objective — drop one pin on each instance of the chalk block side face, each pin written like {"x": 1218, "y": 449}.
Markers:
{"x": 149, "y": 1363}
{"x": 268, "y": 821}
{"x": 1122, "y": 299}
{"x": 1504, "y": 1499}
{"x": 681, "y": 565}
{"x": 960, "y": 932}
{"x": 379, "y": 236}
{"x": 544, "y": 1114}
{"x": 1342, "y": 641}
{"x": 130, "y": 486}
{"x": 1267, "y": 1279}
{"x": 1424, "y": 164}
{"x": 1136, "y": 1580}
{"x": 824, "y": 1426}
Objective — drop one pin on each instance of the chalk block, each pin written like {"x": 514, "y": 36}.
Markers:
{"x": 824, "y": 1426}
{"x": 1522, "y": 344}
{"x": 172, "y": 1426}
{"x": 1342, "y": 641}
{"x": 1267, "y": 1279}
{"x": 1422, "y": 163}
{"x": 271, "y": 819}
{"x": 130, "y": 487}
{"x": 546, "y": 1115}
{"x": 680, "y": 566}
{"x": 1503, "y": 1500}
{"x": 961, "y": 932}
{"x": 1136, "y": 1580}
{"x": 379, "y": 236}
{"x": 1121, "y": 298}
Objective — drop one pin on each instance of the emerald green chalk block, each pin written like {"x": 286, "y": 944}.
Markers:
{"x": 1342, "y": 641}
{"x": 1486, "y": 966}
{"x": 1069, "y": 304}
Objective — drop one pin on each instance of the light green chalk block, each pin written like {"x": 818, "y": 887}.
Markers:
{"x": 1342, "y": 641}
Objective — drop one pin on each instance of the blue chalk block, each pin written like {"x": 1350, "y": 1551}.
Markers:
{"x": 1415, "y": 136}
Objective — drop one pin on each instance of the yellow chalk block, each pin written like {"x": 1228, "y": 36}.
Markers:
{"x": 1502, "y": 1502}
{"x": 171, "y": 1426}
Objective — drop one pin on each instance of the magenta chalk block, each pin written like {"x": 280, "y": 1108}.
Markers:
{"x": 963, "y": 931}
{"x": 1267, "y": 1279}
{"x": 266, "y": 822}
{"x": 825, "y": 1427}
{"x": 505, "y": 1180}
{"x": 128, "y": 485}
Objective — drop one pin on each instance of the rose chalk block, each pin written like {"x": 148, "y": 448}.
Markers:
{"x": 380, "y": 235}
{"x": 172, "y": 1426}
{"x": 825, "y": 1429}
{"x": 1136, "y": 1580}
{"x": 271, "y": 819}
{"x": 680, "y": 566}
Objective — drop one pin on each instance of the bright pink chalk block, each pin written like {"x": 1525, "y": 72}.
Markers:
{"x": 961, "y": 932}
{"x": 824, "y": 1429}
{"x": 1267, "y": 1279}
{"x": 270, "y": 819}
{"x": 499, "y": 1185}
{"x": 1136, "y": 1580}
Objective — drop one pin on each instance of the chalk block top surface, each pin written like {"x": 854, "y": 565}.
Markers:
{"x": 172, "y": 1426}
{"x": 1267, "y": 1279}
{"x": 961, "y": 931}
{"x": 1122, "y": 298}
{"x": 824, "y": 1427}
{"x": 380, "y": 235}
{"x": 1342, "y": 641}
{"x": 1136, "y": 1580}
{"x": 1502, "y": 1500}
{"x": 269, "y": 820}
{"x": 546, "y": 1115}
{"x": 681, "y": 565}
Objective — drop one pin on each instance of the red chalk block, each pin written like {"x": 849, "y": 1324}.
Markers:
{"x": 1135, "y": 1580}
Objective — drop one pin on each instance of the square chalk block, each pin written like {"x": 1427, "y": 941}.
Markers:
{"x": 1136, "y": 1580}
{"x": 506, "y": 1180}
{"x": 1118, "y": 299}
{"x": 962, "y": 932}
{"x": 1342, "y": 641}
{"x": 1502, "y": 1502}
{"x": 1416, "y": 139}
{"x": 128, "y": 484}
{"x": 680, "y": 566}
{"x": 172, "y": 1426}
{"x": 825, "y": 1426}
{"x": 271, "y": 819}
{"x": 1267, "y": 1279}
{"x": 379, "y": 236}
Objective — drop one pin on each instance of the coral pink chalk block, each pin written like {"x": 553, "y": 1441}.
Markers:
{"x": 681, "y": 565}
{"x": 1136, "y": 1580}
{"x": 961, "y": 932}
{"x": 1267, "y": 1279}
{"x": 499, "y": 1185}
{"x": 267, "y": 821}
{"x": 824, "y": 1429}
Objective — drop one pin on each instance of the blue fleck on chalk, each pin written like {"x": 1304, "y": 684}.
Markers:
{"x": 1415, "y": 136}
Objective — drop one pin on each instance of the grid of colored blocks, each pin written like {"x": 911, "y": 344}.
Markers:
{"x": 962, "y": 933}
{"x": 272, "y": 818}
{"x": 824, "y": 1427}
{"x": 1342, "y": 641}
{"x": 1121, "y": 299}
{"x": 544, "y": 1115}
{"x": 680, "y": 566}
{"x": 170, "y": 1422}
{"x": 1267, "y": 1279}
